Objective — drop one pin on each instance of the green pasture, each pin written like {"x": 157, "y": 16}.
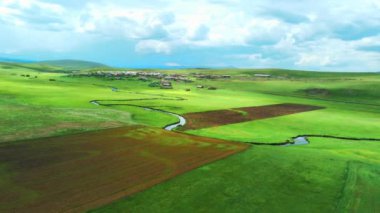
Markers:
{"x": 327, "y": 121}
{"x": 325, "y": 176}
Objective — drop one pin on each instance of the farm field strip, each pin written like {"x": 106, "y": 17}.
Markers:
{"x": 82, "y": 171}
{"x": 201, "y": 120}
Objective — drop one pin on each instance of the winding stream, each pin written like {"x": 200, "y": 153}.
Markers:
{"x": 304, "y": 140}
{"x": 169, "y": 127}
{"x": 295, "y": 141}
{"x": 301, "y": 140}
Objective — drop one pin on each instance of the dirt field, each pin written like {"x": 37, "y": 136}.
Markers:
{"x": 201, "y": 120}
{"x": 77, "y": 172}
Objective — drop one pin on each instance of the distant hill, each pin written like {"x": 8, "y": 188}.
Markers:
{"x": 14, "y": 60}
{"x": 73, "y": 64}
{"x": 302, "y": 73}
{"x": 15, "y": 66}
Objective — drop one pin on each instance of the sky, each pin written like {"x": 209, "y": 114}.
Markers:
{"x": 329, "y": 35}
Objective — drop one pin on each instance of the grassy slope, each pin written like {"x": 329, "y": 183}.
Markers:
{"x": 36, "y": 107}
{"x": 73, "y": 64}
{"x": 263, "y": 178}
{"x": 24, "y": 67}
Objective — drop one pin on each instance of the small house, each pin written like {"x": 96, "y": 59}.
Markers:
{"x": 143, "y": 79}
{"x": 166, "y": 85}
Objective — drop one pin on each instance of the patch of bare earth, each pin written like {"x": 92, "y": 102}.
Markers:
{"x": 77, "y": 172}
{"x": 207, "y": 119}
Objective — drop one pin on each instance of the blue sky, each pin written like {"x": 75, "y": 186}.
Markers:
{"x": 326, "y": 35}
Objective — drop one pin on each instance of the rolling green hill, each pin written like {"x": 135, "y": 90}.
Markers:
{"x": 73, "y": 64}
{"x": 35, "y": 67}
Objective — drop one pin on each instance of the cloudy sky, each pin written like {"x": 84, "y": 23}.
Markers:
{"x": 299, "y": 34}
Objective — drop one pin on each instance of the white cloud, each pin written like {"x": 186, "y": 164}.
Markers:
{"x": 148, "y": 46}
{"x": 324, "y": 34}
{"x": 333, "y": 53}
{"x": 33, "y": 14}
{"x": 198, "y": 23}
{"x": 318, "y": 59}
{"x": 130, "y": 23}
{"x": 199, "y": 33}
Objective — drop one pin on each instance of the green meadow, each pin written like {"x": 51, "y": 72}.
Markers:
{"x": 324, "y": 176}
{"x": 327, "y": 175}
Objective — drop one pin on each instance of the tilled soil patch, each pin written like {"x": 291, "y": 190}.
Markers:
{"x": 77, "y": 172}
{"x": 207, "y": 119}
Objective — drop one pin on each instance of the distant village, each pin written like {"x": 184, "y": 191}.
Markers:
{"x": 157, "y": 79}
{"x": 118, "y": 75}
{"x": 164, "y": 79}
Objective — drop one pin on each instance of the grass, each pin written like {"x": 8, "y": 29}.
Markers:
{"x": 323, "y": 122}
{"x": 327, "y": 175}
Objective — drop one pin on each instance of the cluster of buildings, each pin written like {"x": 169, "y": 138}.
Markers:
{"x": 118, "y": 75}
{"x": 141, "y": 75}
{"x": 164, "y": 81}
{"x": 177, "y": 77}
{"x": 124, "y": 74}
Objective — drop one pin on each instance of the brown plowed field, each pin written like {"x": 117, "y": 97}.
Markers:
{"x": 76, "y": 172}
{"x": 201, "y": 120}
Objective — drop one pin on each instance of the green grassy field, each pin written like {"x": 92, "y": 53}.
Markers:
{"x": 324, "y": 176}
{"x": 328, "y": 175}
